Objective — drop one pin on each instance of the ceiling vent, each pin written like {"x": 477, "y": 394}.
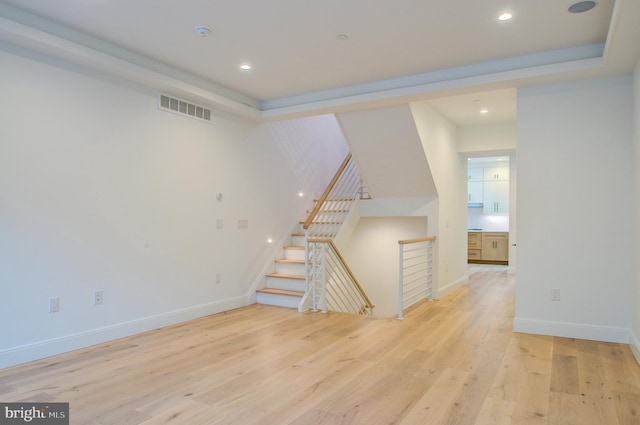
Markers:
{"x": 180, "y": 106}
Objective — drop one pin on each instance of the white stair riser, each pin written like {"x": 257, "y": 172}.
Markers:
{"x": 279, "y": 300}
{"x": 288, "y": 284}
{"x": 294, "y": 254}
{"x": 287, "y": 268}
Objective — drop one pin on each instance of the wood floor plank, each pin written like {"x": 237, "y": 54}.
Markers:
{"x": 437, "y": 402}
{"x": 495, "y": 412}
{"x": 450, "y": 361}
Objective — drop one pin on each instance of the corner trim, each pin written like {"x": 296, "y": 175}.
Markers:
{"x": 572, "y": 330}
{"x": 40, "y": 350}
{"x": 634, "y": 343}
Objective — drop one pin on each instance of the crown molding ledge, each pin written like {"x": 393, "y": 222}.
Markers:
{"x": 53, "y": 40}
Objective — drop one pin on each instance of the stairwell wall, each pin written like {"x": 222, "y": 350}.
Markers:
{"x": 448, "y": 167}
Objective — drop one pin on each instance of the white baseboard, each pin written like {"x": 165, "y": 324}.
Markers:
{"x": 572, "y": 330}
{"x": 452, "y": 286}
{"x": 39, "y": 350}
{"x": 634, "y": 343}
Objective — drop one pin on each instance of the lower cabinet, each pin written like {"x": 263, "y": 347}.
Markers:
{"x": 474, "y": 246}
{"x": 492, "y": 247}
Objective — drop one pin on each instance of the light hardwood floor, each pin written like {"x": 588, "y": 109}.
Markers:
{"x": 452, "y": 361}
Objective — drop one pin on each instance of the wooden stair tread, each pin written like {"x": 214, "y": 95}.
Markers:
{"x": 285, "y": 292}
{"x": 286, "y": 276}
{"x": 294, "y": 247}
{"x": 285, "y": 261}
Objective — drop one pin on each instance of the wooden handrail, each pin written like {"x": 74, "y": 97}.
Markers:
{"x": 408, "y": 241}
{"x": 346, "y": 266}
{"x": 325, "y": 195}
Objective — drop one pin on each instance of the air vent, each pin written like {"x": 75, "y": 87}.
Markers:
{"x": 180, "y": 106}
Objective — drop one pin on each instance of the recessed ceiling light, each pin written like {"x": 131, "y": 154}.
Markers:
{"x": 245, "y": 67}
{"x": 505, "y": 16}
{"x": 342, "y": 37}
{"x": 582, "y": 6}
{"x": 484, "y": 111}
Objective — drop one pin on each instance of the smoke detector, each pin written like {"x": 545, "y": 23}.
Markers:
{"x": 203, "y": 31}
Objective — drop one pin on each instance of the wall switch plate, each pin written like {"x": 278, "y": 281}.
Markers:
{"x": 54, "y": 305}
{"x": 97, "y": 297}
{"x": 218, "y": 277}
{"x": 555, "y": 294}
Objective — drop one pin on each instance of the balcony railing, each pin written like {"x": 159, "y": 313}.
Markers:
{"x": 415, "y": 279}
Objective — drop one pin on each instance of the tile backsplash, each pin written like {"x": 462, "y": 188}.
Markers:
{"x": 495, "y": 223}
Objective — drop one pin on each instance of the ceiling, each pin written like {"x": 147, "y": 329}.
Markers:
{"x": 311, "y": 56}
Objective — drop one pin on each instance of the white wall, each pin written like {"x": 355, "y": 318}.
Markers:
{"x": 388, "y": 151}
{"x": 313, "y": 147}
{"x": 377, "y": 270}
{"x": 487, "y": 139}
{"x": 100, "y": 190}
{"x": 575, "y": 209}
{"x": 449, "y": 170}
{"x": 635, "y": 326}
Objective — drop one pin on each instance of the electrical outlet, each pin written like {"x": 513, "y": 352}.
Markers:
{"x": 54, "y": 305}
{"x": 555, "y": 294}
{"x": 218, "y": 277}
{"x": 97, "y": 297}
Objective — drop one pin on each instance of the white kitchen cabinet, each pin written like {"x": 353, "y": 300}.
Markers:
{"x": 476, "y": 174}
{"x": 475, "y": 192}
{"x": 496, "y": 173}
{"x": 496, "y": 197}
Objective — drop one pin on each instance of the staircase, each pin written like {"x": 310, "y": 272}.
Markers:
{"x": 286, "y": 286}
{"x": 331, "y": 284}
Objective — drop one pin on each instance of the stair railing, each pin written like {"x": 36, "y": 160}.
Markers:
{"x": 415, "y": 278}
{"x": 334, "y": 286}
{"x": 331, "y": 284}
{"x": 331, "y": 210}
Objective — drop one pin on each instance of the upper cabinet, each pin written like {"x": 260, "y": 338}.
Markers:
{"x": 496, "y": 173}
{"x": 496, "y": 197}
{"x": 489, "y": 187}
{"x": 475, "y": 192}
{"x": 476, "y": 174}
